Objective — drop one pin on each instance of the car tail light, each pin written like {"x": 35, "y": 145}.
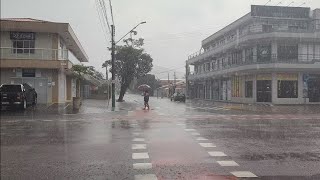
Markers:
{"x": 19, "y": 96}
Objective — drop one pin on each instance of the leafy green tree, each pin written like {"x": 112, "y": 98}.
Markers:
{"x": 130, "y": 61}
{"x": 94, "y": 73}
{"x": 79, "y": 71}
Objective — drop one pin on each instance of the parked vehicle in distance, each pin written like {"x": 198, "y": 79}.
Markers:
{"x": 17, "y": 96}
{"x": 178, "y": 97}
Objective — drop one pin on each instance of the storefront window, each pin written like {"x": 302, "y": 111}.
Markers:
{"x": 287, "y": 52}
{"x": 23, "y": 46}
{"x": 23, "y": 42}
{"x": 213, "y": 65}
{"x": 236, "y": 86}
{"x": 208, "y": 67}
{"x": 249, "y": 89}
{"x": 264, "y": 53}
{"x": 249, "y": 55}
{"x": 287, "y": 89}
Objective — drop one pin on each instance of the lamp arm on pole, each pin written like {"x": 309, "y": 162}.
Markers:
{"x": 129, "y": 32}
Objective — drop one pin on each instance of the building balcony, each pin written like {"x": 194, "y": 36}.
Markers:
{"x": 303, "y": 63}
{"x": 33, "y": 53}
{"x": 34, "y": 58}
{"x": 256, "y": 38}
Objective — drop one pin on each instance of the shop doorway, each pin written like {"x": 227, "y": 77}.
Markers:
{"x": 314, "y": 90}
{"x": 264, "y": 91}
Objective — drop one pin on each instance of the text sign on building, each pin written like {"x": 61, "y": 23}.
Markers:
{"x": 22, "y": 35}
{"x": 28, "y": 72}
{"x": 280, "y": 11}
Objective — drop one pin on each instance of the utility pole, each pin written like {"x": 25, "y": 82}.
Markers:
{"x": 174, "y": 82}
{"x": 169, "y": 86}
{"x": 174, "y": 76}
{"x": 187, "y": 83}
{"x": 113, "y": 68}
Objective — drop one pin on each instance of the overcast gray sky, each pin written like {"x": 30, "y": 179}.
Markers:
{"x": 174, "y": 28}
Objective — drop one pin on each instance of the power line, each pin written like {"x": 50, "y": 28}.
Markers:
{"x": 168, "y": 70}
{"x": 279, "y": 3}
{"x": 290, "y": 3}
{"x": 102, "y": 23}
{"x": 105, "y": 13}
{"x": 267, "y": 2}
{"x": 111, "y": 11}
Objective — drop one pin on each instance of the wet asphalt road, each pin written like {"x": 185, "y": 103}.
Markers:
{"x": 171, "y": 141}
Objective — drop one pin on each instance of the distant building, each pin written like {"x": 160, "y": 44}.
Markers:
{"x": 271, "y": 55}
{"x": 168, "y": 87}
{"x": 38, "y": 53}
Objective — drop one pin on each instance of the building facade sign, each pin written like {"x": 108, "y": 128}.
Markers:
{"x": 287, "y": 77}
{"x": 264, "y": 77}
{"x": 28, "y": 73}
{"x": 280, "y": 11}
{"x": 22, "y": 35}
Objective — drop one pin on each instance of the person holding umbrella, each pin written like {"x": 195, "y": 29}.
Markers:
{"x": 145, "y": 88}
{"x": 146, "y": 100}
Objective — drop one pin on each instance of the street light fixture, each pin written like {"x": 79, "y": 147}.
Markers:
{"x": 112, "y": 59}
{"x": 130, "y": 31}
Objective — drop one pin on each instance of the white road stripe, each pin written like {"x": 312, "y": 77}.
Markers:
{"x": 189, "y": 129}
{"x": 243, "y": 174}
{"x": 139, "y": 146}
{"x": 217, "y": 153}
{"x": 138, "y": 139}
{"x": 195, "y": 134}
{"x": 142, "y": 166}
{"x": 202, "y": 139}
{"x": 207, "y": 145}
{"x": 145, "y": 177}
{"x": 137, "y": 133}
{"x": 227, "y": 163}
{"x": 181, "y": 124}
{"x": 140, "y": 156}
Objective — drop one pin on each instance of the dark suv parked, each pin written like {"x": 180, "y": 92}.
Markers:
{"x": 17, "y": 95}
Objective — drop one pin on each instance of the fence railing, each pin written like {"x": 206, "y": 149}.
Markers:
{"x": 269, "y": 59}
{"x": 33, "y": 53}
{"x": 198, "y": 53}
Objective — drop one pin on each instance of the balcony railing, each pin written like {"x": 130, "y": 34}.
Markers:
{"x": 33, "y": 53}
{"x": 198, "y": 53}
{"x": 274, "y": 58}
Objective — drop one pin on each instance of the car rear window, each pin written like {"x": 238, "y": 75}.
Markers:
{"x": 10, "y": 88}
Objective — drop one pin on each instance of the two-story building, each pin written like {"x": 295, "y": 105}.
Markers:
{"x": 270, "y": 55}
{"x": 38, "y": 53}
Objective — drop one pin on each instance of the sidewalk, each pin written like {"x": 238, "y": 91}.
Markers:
{"x": 102, "y": 106}
{"x": 264, "y": 108}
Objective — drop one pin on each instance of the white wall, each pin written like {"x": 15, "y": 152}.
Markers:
{"x": 62, "y": 86}
{"x": 74, "y": 88}
{"x": 42, "y": 41}
{"x": 255, "y": 27}
{"x": 5, "y": 39}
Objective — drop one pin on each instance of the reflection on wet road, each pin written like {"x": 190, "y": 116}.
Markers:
{"x": 171, "y": 141}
